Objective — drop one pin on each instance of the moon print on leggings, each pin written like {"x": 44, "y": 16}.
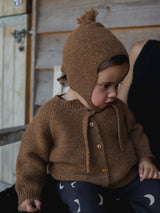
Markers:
{"x": 151, "y": 199}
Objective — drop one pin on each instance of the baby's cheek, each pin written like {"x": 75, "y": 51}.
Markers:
{"x": 96, "y": 96}
{"x": 94, "y": 100}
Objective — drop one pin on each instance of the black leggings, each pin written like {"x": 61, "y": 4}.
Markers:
{"x": 51, "y": 202}
{"x": 85, "y": 197}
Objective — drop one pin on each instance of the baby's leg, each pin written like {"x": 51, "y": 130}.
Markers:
{"x": 143, "y": 196}
{"x": 81, "y": 196}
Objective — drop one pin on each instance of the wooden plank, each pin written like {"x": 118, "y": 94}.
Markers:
{"x": 130, "y": 36}
{"x": 28, "y": 71}
{"x": 9, "y": 63}
{"x": 22, "y": 71}
{"x": 8, "y": 7}
{"x": 1, "y": 72}
{"x": 49, "y": 50}
{"x": 4, "y": 185}
{"x": 10, "y": 21}
{"x": 44, "y": 87}
{"x": 8, "y": 170}
{"x": 8, "y": 98}
{"x": 33, "y": 58}
{"x": 20, "y": 66}
{"x": 14, "y": 76}
{"x": 1, "y": 83}
{"x": 1, "y": 7}
{"x": 13, "y": 91}
{"x": 47, "y": 85}
{"x": 11, "y": 135}
{"x": 57, "y": 16}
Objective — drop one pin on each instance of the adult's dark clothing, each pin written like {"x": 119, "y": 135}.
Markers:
{"x": 144, "y": 93}
{"x": 50, "y": 199}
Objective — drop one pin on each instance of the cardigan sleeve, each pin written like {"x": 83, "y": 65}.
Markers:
{"x": 136, "y": 134}
{"x": 33, "y": 156}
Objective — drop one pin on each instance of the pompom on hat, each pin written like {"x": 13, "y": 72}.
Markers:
{"x": 86, "y": 48}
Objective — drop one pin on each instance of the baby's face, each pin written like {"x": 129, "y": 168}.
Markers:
{"x": 106, "y": 87}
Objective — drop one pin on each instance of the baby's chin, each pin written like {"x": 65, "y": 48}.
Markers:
{"x": 105, "y": 105}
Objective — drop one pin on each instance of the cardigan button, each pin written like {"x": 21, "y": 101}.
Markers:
{"x": 99, "y": 146}
{"x": 104, "y": 171}
{"x": 91, "y": 124}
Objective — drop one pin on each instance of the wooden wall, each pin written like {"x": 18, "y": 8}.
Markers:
{"x": 12, "y": 7}
{"x": 129, "y": 20}
{"x": 14, "y": 78}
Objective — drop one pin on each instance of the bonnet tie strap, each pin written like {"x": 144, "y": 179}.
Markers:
{"x": 121, "y": 144}
{"x": 85, "y": 134}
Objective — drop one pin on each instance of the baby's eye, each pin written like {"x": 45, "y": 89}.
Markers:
{"x": 105, "y": 86}
{"x": 118, "y": 85}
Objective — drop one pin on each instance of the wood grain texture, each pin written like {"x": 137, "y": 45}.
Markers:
{"x": 44, "y": 87}
{"x": 49, "y": 49}
{"x": 33, "y": 58}
{"x": 10, "y": 21}
{"x": 47, "y": 85}
{"x": 8, "y": 8}
{"x": 11, "y": 135}
{"x": 1, "y": 72}
{"x": 13, "y": 90}
{"x": 58, "y": 16}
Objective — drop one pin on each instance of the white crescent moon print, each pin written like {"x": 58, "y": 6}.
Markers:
{"x": 151, "y": 199}
{"x": 77, "y": 201}
{"x": 60, "y": 186}
{"x": 101, "y": 200}
{"x": 72, "y": 184}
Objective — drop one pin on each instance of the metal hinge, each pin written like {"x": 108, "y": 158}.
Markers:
{"x": 19, "y": 35}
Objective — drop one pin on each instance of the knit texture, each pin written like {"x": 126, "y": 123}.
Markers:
{"x": 64, "y": 136}
{"x": 86, "y": 48}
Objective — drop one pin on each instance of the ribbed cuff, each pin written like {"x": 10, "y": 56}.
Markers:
{"x": 29, "y": 194}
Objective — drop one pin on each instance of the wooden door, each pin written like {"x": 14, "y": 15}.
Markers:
{"x": 14, "y": 51}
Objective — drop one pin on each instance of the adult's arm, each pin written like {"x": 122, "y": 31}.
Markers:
{"x": 133, "y": 55}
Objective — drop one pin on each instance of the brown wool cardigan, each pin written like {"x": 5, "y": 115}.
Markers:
{"x": 99, "y": 147}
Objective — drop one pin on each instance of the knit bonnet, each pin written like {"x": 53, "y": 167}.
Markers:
{"x": 86, "y": 48}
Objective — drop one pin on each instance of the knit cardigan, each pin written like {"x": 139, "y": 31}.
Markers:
{"x": 75, "y": 144}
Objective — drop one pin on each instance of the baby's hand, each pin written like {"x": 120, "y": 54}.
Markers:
{"x": 29, "y": 206}
{"x": 147, "y": 169}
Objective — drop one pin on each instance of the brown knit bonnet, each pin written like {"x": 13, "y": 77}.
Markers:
{"x": 86, "y": 48}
